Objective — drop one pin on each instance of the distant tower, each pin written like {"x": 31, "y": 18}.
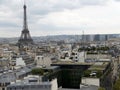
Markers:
{"x": 25, "y": 38}
{"x": 83, "y": 38}
{"x": 97, "y": 37}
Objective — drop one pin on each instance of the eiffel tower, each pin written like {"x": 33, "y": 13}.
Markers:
{"x": 25, "y": 38}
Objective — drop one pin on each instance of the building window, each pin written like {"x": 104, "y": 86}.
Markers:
{"x": 3, "y": 88}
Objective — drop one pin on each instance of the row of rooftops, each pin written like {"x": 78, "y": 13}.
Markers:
{"x": 10, "y": 75}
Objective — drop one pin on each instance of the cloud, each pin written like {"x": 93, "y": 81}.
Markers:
{"x": 93, "y": 2}
{"x": 117, "y": 0}
{"x": 8, "y": 24}
{"x": 43, "y": 7}
{"x": 92, "y": 19}
{"x": 49, "y": 17}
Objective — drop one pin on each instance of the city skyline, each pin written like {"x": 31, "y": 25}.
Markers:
{"x": 54, "y": 17}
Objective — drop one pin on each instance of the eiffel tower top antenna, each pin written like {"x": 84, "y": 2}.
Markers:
{"x": 24, "y": 2}
{"x": 25, "y": 26}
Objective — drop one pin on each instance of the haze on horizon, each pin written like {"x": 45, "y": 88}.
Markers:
{"x": 57, "y": 17}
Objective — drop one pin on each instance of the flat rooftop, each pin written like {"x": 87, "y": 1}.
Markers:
{"x": 51, "y": 67}
{"x": 99, "y": 66}
{"x": 62, "y": 63}
{"x": 91, "y": 87}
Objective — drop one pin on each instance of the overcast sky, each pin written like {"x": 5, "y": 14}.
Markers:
{"x": 56, "y": 17}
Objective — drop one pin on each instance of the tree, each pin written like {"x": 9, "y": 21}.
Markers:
{"x": 117, "y": 85}
{"x": 87, "y": 73}
{"x": 101, "y": 88}
{"x": 37, "y": 71}
{"x": 99, "y": 74}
